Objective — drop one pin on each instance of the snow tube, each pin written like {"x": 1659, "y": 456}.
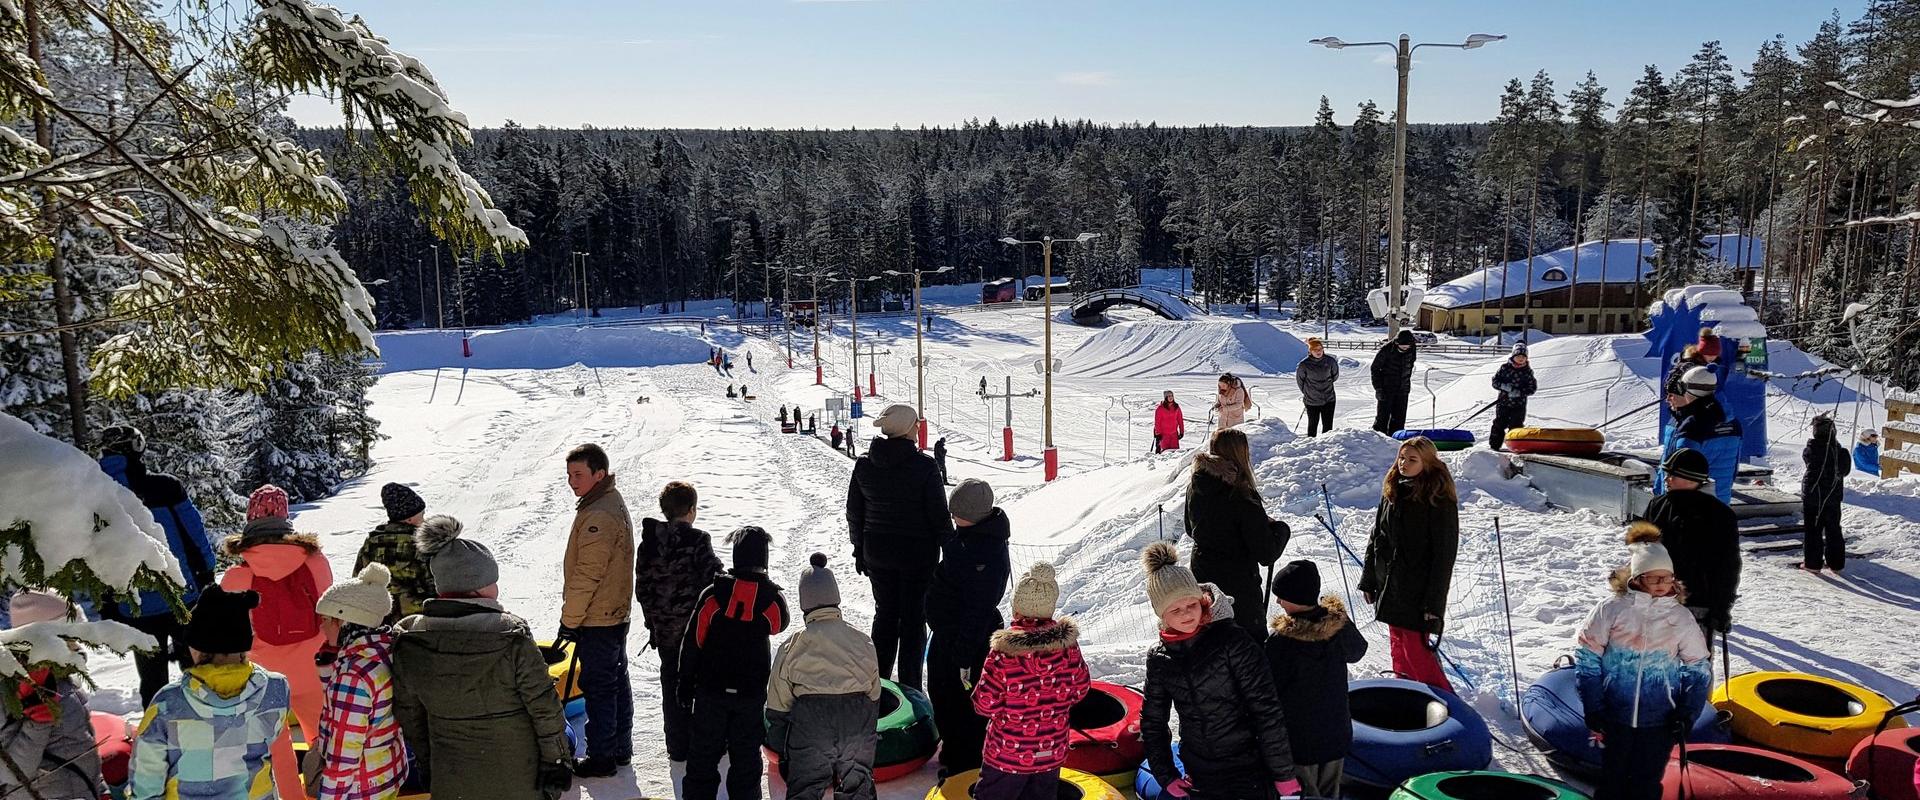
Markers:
{"x": 1477, "y": 785}
{"x": 1145, "y": 786}
{"x": 1106, "y": 733}
{"x": 1403, "y": 728}
{"x": 1886, "y": 762}
{"x": 558, "y": 658}
{"x": 1445, "y": 439}
{"x": 907, "y": 735}
{"x": 1733, "y": 772}
{"x": 1556, "y": 441}
{"x": 576, "y": 711}
{"x": 1074, "y": 785}
{"x": 1555, "y": 720}
{"x": 1802, "y": 714}
{"x": 115, "y": 737}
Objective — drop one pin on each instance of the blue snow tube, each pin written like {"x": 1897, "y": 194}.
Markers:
{"x": 1555, "y": 720}
{"x": 1443, "y": 438}
{"x": 1145, "y": 786}
{"x": 576, "y": 711}
{"x": 1404, "y": 728}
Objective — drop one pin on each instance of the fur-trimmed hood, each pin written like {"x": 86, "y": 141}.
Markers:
{"x": 1314, "y": 627}
{"x": 240, "y": 542}
{"x": 1053, "y": 636}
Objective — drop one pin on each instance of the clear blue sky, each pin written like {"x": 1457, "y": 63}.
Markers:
{"x": 878, "y": 63}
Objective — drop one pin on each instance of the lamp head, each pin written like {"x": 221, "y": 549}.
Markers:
{"x": 1481, "y": 39}
{"x": 948, "y": 268}
{"x": 1009, "y": 240}
{"x": 896, "y": 272}
{"x": 1086, "y": 237}
{"x": 1329, "y": 42}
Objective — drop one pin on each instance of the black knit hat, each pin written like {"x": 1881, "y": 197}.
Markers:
{"x": 401, "y": 502}
{"x": 123, "y": 440}
{"x": 222, "y": 621}
{"x": 1688, "y": 463}
{"x": 750, "y": 546}
{"x": 1405, "y": 337}
{"x": 1298, "y": 582}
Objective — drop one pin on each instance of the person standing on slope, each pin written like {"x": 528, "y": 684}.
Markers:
{"x": 1033, "y": 677}
{"x": 391, "y": 546}
{"x": 1316, "y": 375}
{"x": 1822, "y": 488}
{"x": 1232, "y": 400}
{"x": 363, "y": 756}
{"x": 1392, "y": 381}
{"x": 596, "y": 607}
{"x": 963, "y": 611}
{"x": 822, "y": 698}
{"x": 673, "y": 565}
{"x": 1409, "y": 565}
{"x": 1514, "y": 381}
{"x": 1703, "y": 537}
{"x": 1232, "y": 535}
{"x": 724, "y": 670}
{"x": 1701, "y": 423}
{"x": 1169, "y": 426}
{"x": 1866, "y": 454}
{"x": 897, "y": 516}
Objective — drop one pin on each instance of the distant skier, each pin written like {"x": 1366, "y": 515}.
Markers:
{"x": 1866, "y": 453}
{"x": 940, "y": 458}
{"x": 813, "y": 423}
{"x": 1699, "y": 422}
{"x": 1316, "y": 375}
{"x": 1392, "y": 381}
{"x": 1822, "y": 487}
{"x": 1232, "y": 400}
{"x": 783, "y": 416}
{"x": 1169, "y": 425}
{"x": 1704, "y": 537}
{"x": 726, "y": 363}
{"x": 1514, "y": 381}
{"x": 749, "y": 361}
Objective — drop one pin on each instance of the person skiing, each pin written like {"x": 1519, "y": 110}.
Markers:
{"x": 897, "y": 516}
{"x": 963, "y": 611}
{"x": 1703, "y": 536}
{"x": 1392, "y": 382}
{"x": 1231, "y": 400}
{"x": 1311, "y": 643}
{"x": 49, "y": 737}
{"x": 1316, "y": 375}
{"x": 940, "y": 458}
{"x": 1866, "y": 454}
{"x": 596, "y": 608}
{"x": 724, "y": 671}
{"x": 1641, "y": 669}
{"x": 1514, "y": 381}
{"x": 1169, "y": 425}
{"x": 673, "y": 565}
{"x": 1409, "y": 565}
{"x": 1701, "y": 423}
{"x": 1232, "y": 534}
{"x": 123, "y": 457}
{"x": 1030, "y": 682}
{"x": 1822, "y": 489}
{"x": 823, "y": 697}
{"x": 363, "y": 756}
{"x": 391, "y": 546}
{"x": 1233, "y": 732}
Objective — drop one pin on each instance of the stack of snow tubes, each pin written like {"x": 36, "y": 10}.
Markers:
{"x": 1886, "y": 763}
{"x": 1482, "y": 785}
{"x": 1074, "y": 785}
{"x": 1556, "y": 441}
{"x": 1404, "y": 728}
{"x": 1555, "y": 720}
{"x": 1735, "y": 772}
{"x": 559, "y": 658}
{"x": 1106, "y": 733}
{"x": 1444, "y": 439}
{"x": 907, "y": 735}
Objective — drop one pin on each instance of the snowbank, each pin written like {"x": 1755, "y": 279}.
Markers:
{"x": 74, "y": 512}
{"x": 548, "y": 347}
{"x": 1163, "y": 347}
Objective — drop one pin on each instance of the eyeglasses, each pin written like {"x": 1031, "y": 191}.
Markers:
{"x": 1657, "y": 580}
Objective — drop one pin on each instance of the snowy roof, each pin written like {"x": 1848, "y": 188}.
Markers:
{"x": 1621, "y": 258}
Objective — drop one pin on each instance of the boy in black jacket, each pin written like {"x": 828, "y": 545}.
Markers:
{"x": 672, "y": 565}
{"x": 963, "y": 610}
{"x": 1309, "y": 650}
{"x": 725, "y": 658}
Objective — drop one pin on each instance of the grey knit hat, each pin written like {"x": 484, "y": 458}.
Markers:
{"x": 1168, "y": 582}
{"x": 972, "y": 500}
{"x": 898, "y": 421}
{"x": 818, "y": 589}
{"x": 459, "y": 566}
{"x": 1037, "y": 593}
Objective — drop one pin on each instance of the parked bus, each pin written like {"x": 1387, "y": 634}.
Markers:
{"x": 1039, "y": 291}
{"x": 1000, "y": 291}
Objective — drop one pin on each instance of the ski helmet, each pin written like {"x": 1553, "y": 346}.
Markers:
{"x": 1699, "y": 382}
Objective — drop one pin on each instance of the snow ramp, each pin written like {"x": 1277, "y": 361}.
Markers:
{"x": 1158, "y": 348}
{"x": 544, "y": 347}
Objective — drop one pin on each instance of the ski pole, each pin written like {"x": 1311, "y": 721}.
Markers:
{"x": 1506, "y": 602}
{"x": 1344, "y": 587}
{"x": 1160, "y": 511}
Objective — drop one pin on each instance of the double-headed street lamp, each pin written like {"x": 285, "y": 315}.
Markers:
{"x": 1049, "y": 456}
{"x": 919, "y": 350}
{"x": 1396, "y": 230}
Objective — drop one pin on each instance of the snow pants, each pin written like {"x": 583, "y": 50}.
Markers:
{"x": 1319, "y": 418}
{"x": 152, "y": 669}
{"x": 1322, "y": 779}
{"x": 675, "y": 719}
{"x": 607, "y": 688}
{"x": 1823, "y": 546}
{"x": 730, "y": 724}
{"x": 1412, "y": 658}
{"x": 1390, "y": 414}
{"x": 997, "y": 785}
{"x": 296, "y": 663}
{"x": 900, "y": 620}
{"x": 1633, "y": 762}
{"x": 963, "y": 733}
{"x": 1506, "y": 416}
{"x": 830, "y": 744}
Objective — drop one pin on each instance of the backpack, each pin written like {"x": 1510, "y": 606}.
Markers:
{"x": 286, "y": 613}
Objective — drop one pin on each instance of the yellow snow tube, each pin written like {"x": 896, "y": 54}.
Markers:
{"x": 1074, "y": 784}
{"x": 559, "y": 658}
{"x": 1802, "y": 714}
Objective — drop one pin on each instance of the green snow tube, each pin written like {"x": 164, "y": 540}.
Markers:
{"x": 1482, "y": 785}
{"x": 907, "y": 735}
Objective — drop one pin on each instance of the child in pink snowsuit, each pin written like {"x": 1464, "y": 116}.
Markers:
{"x": 1232, "y": 400}
{"x": 1032, "y": 678}
{"x": 290, "y": 573}
{"x": 1168, "y": 425}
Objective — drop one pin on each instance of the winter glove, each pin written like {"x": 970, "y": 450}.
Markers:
{"x": 1594, "y": 723}
{"x": 1677, "y": 725}
{"x": 1287, "y": 788}
{"x": 1719, "y": 622}
{"x": 567, "y": 633}
{"x": 556, "y": 777}
{"x": 1180, "y": 788}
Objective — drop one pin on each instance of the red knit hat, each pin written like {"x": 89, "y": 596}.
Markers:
{"x": 1709, "y": 346}
{"x": 267, "y": 501}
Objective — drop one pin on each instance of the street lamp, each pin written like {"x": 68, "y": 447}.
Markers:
{"x": 853, "y": 332}
{"x": 1050, "y": 457}
{"x": 919, "y": 351}
{"x": 786, "y": 303}
{"x": 439, "y": 301}
{"x": 819, "y": 374}
{"x": 1403, "y": 62}
{"x": 584, "y": 306}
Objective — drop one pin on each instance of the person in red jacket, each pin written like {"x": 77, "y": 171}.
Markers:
{"x": 1168, "y": 425}
{"x": 1032, "y": 679}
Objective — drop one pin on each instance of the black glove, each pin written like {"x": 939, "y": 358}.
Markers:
{"x": 556, "y": 777}
{"x": 567, "y": 633}
{"x": 1677, "y": 725}
{"x": 859, "y": 564}
{"x": 1593, "y": 722}
{"x": 1719, "y": 622}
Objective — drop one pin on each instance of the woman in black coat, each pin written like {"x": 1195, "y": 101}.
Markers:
{"x": 1409, "y": 567}
{"x": 1822, "y": 488}
{"x": 1232, "y": 536}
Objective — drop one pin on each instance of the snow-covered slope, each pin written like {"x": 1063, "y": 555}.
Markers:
{"x": 1164, "y": 347}
{"x": 544, "y": 347}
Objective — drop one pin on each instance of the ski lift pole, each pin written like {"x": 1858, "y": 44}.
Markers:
{"x": 1506, "y": 604}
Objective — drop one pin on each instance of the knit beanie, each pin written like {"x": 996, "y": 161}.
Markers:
{"x": 362, "y": 600}
{"x": 1037, "y": 593}
{"x": 1699, "y": 381}
{"x": 1298, "y": 582}
{"x": 898, "y": 421}
{"x": 222, "y": 621}
{"x": 1823, "y": 427}
{"x": 33, "y": 605}
{"x": 750, "y": 546}
{"x": 1645, "y": 552}
{"x": 1688, "y": 463}
{"x": 1167, "y": 582}
{"x": 268, "y": 501}
{"x": 1405, "y": 337}
{"x": 401, "y": 502}
{"x": 1519, "y": 349}
{"x": 459, "y": 566}
{"x": 972, "y": 500}
{"x": 123, "y": 440}
{"x": 818, "y": 589}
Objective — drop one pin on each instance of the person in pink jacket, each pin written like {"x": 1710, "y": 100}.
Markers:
{"x": 1032, "y": 678}
{"x": 1232, "y": 400}
{"x": 291, "y": 574}
{"x": 1168, "y": 425}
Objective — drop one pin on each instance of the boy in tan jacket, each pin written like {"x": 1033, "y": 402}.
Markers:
{"x": 596, "y": 605}
{"x": 822, "y": 698}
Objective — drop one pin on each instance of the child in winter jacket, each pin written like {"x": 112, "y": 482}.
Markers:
{"x": 963, "y": 611}
{"x": 1233, "y": 732}
{"x": 1642, "y": 670}
{"x": 822, "y": 698}
{"x": 391, "y": 546}
{"x": 363, "y": 756}
{"x": 1308, "y": 651}
{"x": 215, "y": 733}
{"x": 724, "y": 671}
{"x": 49, "y": 737}
{"x": 675, "y": 561}
{"x": 1031, "y": 680}
{"x": 289, "y": 573}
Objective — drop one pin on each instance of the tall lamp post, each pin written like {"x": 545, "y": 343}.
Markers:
{"x": 786, "y": 304}
{"x": 819, "y": 374}
{"x": 585, "y": 308}
{"x": 853, "y": 331}
{"x": 919, "y": 348}
{"x": 439, "y": 300}
{"x": 1050, "y": 457}
{"x": 1403, "y": 62}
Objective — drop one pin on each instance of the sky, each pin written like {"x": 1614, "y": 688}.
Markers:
{"x": 882, "y": 63}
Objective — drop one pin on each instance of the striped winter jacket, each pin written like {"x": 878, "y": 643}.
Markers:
{"x": 365, "y": 757}
{"x": 1032, "y": 678}
{"x": 208, "y": 735}
{"x": 1642, "y": 660}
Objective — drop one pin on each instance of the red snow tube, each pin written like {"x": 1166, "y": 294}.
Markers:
{"x": 1735, "y": 772}
{"x": 1886, "y": 762}
{"x": 1106, "y": 733}
{"x": 1556, "y": 441}
{"x": 116, "y": 746}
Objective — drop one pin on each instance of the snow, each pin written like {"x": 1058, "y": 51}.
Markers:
{"x": 1167, "y": 347}
{"x": 538, "y": 348}
{"x": 74, "y": 512}
{"x": 1622, "y": 259}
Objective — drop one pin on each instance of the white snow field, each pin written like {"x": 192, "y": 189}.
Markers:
{"x": 486, "y": 445}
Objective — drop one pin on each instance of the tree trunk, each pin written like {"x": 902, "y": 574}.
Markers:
{"x": 57, "y": 265}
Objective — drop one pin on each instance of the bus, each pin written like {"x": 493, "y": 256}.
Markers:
{"x": 1039, "y": 291}
{"x": 1000, "y": 291}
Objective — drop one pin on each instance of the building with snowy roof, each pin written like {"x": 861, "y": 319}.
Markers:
{"x": 1594, "y": 287}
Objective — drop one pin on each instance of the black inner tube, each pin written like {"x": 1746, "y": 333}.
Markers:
{"x": 1097, "y": 710}
{"x": 1757, "y": 765}
{"x": 1809, "y": 698}
{"x": 1395, "y": 709}
{"x": 1492, "y": 787}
